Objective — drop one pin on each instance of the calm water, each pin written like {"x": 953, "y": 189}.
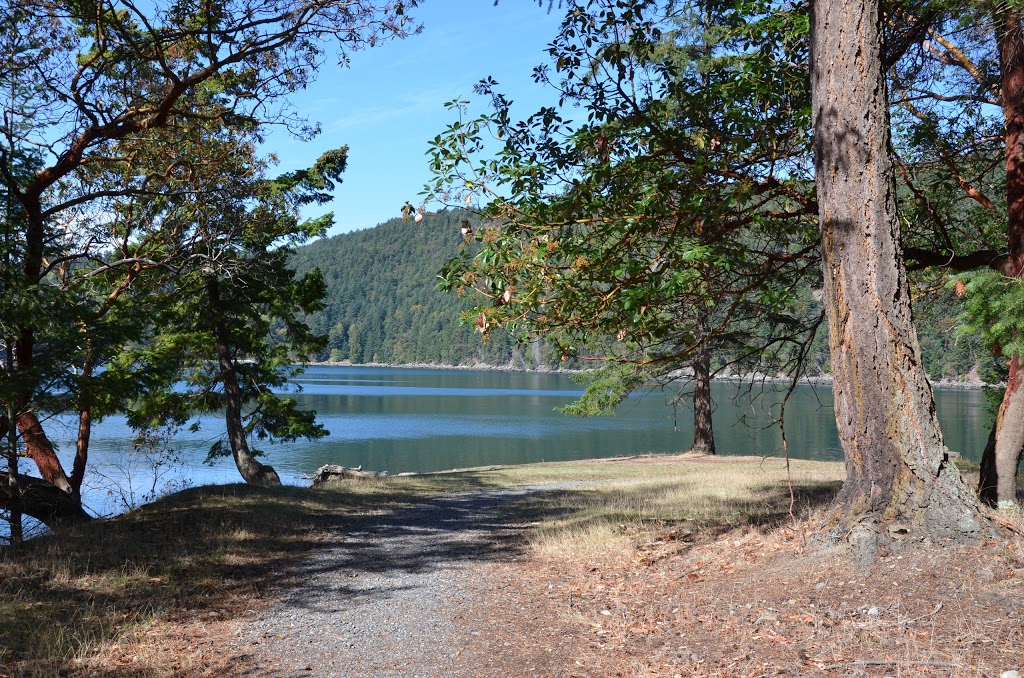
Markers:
{"x": 399, "y": 420}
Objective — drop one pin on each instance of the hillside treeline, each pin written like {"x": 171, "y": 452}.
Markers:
{"x": 383, "y": 306}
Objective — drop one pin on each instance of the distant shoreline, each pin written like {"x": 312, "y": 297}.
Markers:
{"x": 481, "y": 367}
{"x": 825, "y": 379}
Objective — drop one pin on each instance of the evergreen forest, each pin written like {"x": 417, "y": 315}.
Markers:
{"x": 383, "y": 306}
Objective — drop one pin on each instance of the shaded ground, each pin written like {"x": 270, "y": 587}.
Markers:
{"x": 755, "y": 603}
{"x": 451, "y": 589}
{"x": 392, "y": 596}
{"x": 237, "y": 581}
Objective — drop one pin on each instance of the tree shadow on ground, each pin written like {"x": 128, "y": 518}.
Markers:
{"x": 491, "y": 524}
{"x": 211, "y": 550}
{"x": 201, "y": 551}
{"x": 677, "y": 504}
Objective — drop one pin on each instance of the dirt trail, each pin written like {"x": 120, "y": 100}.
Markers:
{"x": 390, "y": 597}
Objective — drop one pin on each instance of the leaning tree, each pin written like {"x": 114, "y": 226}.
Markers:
{"x": 99, "y": 96}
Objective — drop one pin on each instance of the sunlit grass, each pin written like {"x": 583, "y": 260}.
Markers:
{"x": 642, "y": 497}
{"x": 69, "y": 597}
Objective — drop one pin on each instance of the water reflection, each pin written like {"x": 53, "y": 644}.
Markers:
{"x": 424, "y": 420}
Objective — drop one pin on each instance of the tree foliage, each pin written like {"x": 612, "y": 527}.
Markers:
{"x": 665, "y": 204}
{"x": 140, "y": 122}
{"x": 673, "y": 222}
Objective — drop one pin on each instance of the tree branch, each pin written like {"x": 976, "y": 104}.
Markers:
{"x": 43, "y": 501}
{"x": 918, "y": 259}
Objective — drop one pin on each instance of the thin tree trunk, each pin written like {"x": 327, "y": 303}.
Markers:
{"x": 13, "y": 486}
{"x": 997, "y": 485}
{"x": 84, "y": 426}
{"x": 897, "y": 468}
{"x": 81, "y": 451}
{"x": 253, "y": 472}
{"x": 703, "y": 430}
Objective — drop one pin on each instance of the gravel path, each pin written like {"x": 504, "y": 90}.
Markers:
{"x": 386, "y": 597}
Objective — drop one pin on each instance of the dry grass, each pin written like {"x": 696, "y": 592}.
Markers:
{"x": 132, "y": 595}
{"x": 655, "y": 566}
{"x": 698, "y": 570}
{"x": 136, "y": 595}
{"x": 644, "y": 496}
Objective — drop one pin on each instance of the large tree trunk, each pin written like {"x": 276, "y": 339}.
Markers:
{"x": 898, "y": 471}
{"x": 998, "y": 480}
{"x": 703, "y": 430}
{"x": 253, "y": 472}
{"x": 39, "y": 449}
{"x": 41, "y": 500}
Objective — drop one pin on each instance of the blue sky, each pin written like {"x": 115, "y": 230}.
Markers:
{"x": 389, "y": 102}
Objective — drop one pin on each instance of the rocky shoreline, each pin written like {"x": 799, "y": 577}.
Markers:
{"x": 824, "y": 379}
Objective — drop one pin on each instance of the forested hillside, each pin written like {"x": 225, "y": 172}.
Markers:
{"x": 382, "y": 305}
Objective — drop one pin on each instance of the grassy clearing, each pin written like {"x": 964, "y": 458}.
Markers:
{"x": 632, "y": 499}
{"x": 79, "y": 600}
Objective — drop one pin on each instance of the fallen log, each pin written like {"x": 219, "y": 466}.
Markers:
{"x": 43, "y": 501}
{"x": 333, "y": 472}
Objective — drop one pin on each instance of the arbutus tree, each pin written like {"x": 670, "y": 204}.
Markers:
{"x": 899, "y": 473}
{"x": 957, "y": 77}
{"x": 667, "y": 225}
{"x": 115, "y": 82}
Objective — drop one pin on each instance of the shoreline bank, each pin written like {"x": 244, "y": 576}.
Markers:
{"x": 823, "y": 380}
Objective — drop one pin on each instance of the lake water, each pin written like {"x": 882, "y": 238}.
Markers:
{"x": 398, "y": 420}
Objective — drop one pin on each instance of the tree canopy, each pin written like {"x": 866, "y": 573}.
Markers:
{"x": 130, "y": 172}
{"x": 682, "y": 213}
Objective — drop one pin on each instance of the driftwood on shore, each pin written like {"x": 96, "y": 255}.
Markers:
{"x": 332, "y": 472}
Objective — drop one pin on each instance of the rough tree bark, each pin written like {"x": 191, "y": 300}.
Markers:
{"x": 253, "y": 472}
{"x": 898, "y": 472}
{"x": 997, "y": 484}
